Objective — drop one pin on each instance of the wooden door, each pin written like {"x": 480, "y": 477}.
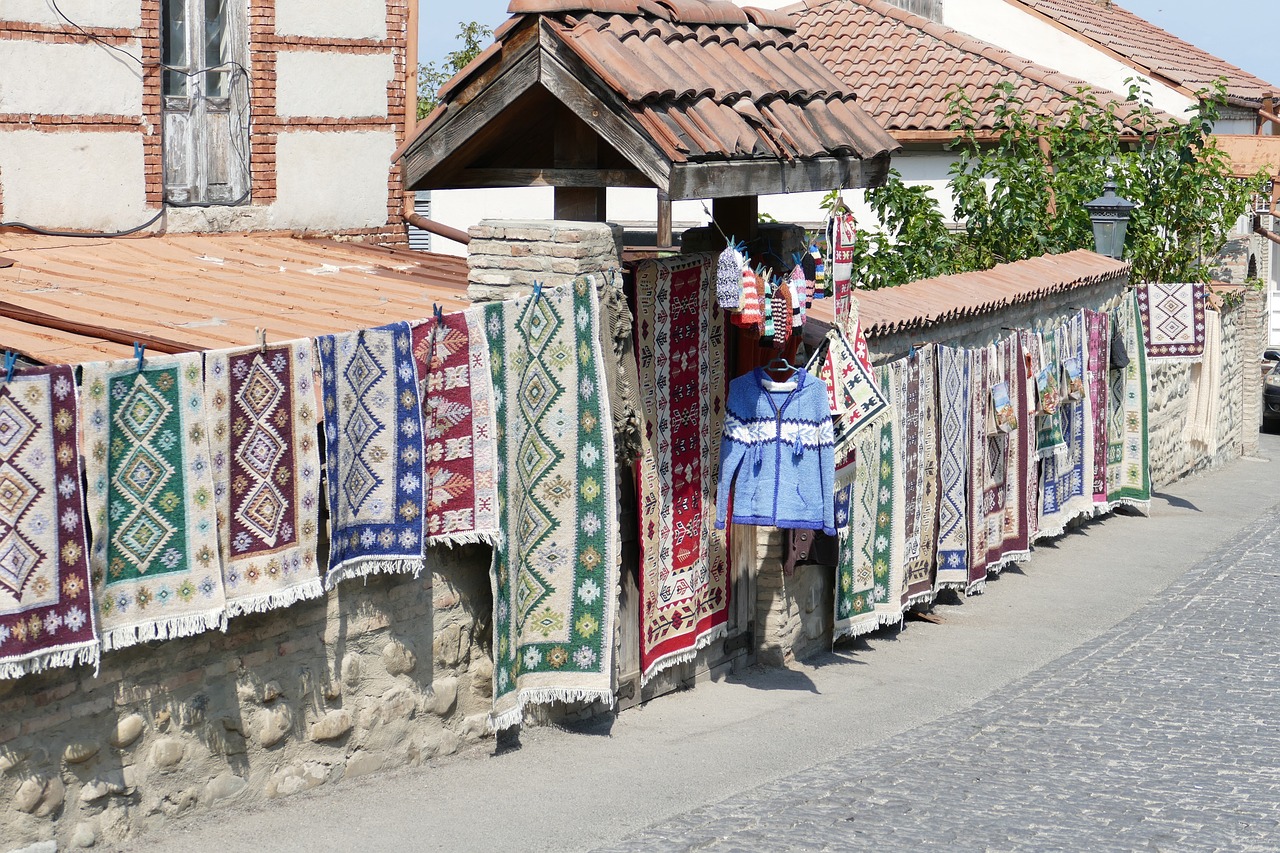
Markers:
{"x": 205, "y": 102}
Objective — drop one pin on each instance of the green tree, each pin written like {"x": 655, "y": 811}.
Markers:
{"x": 431, "y": 76}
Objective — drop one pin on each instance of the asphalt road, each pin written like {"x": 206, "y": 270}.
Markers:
{"x": 1119, "y": 691}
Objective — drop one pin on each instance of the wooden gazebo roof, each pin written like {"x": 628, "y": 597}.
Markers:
{"x": 698, "y": 98}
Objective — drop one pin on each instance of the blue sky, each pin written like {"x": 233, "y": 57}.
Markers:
{"x": 1240, "y": 31}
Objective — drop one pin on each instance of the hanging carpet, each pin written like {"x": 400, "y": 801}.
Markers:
{"x": 373, "y": 453}
{"x": 555, "y": 577}
{"x": 459, "y": 466}
{"x": 151, "y": 501}
{"x": 1128, "y": 471}
{"x": 1051, "y": 440}
{"x": 1099, "y": 337}
{"x": 1172, "y": 319}
{"x": 1206, "y": 390}
{"x": 855, "y": 397}
{"x": 684, "y": 562}
{"x": 953, "y": 442}
{"x": 266, "y": 473}
{"x": 1020, "y": 447}
{"x": 1064, "y": 493}
{"x": 981, "y": 496}
{"x": 920, "y": 480}
{"x": 887, "y": 527}
{"x": 46, "y": 606}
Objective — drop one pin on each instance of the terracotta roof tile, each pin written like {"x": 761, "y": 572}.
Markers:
{"x": 1152, "y": 48}
{"x": 903, "y": 68}
{"x": 920, "y": 304}
{"x": 211, "y": 291}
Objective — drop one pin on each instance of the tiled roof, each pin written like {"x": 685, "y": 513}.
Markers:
{"x": 705, "y": 79}
{"x": 1155, "y": 50}
{"x": 1250, "y": 154}
{"x": 919, "y": 304}
{"x": 209, "y": 291}
{"x": 904, "y": 68}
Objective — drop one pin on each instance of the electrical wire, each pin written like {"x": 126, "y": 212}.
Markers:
{"x": 239, "y": 73}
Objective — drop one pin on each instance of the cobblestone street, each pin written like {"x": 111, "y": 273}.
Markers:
{"x": 1161, "y": 734}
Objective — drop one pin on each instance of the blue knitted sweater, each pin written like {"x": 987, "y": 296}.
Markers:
{"x": 777, "y": 454}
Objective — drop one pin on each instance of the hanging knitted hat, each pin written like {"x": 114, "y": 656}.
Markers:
{"x": 818, "y": 269}
{"x": 799, "y": 289}
{"x": 767, "y": 309}
{"x": 748, "y": 314}
{"x": 782, "y": 324}
{"x": 729, "y": 277}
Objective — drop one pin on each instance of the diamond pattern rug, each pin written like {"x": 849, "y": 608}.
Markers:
{"x": 953, "y": 439}
{"x": 151, "y": 500}
{"x": 1172, "y": 319}
{"x": 1128, "y": 469}
{"x": 451, "y": 360}
{"x": 555, "y": 575}
{"x": 920, "y": 492}
{"x": 684, "y": 560}
{"x": 266, "y": 473}
{"x": 1067, "y": 479}
{"x": 373, "y": 443}
{"x": 1099, "y": 338}
{"x": 46, "y": 607}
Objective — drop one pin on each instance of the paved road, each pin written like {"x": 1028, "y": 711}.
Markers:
{"x": 1161, "y": 734}
{"x": 1053, "y": 703}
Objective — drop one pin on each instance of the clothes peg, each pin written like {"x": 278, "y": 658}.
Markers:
{"x": 139, "y": 350}
{"x": 10, "y": 359}
{"x": 537, "y": 290}
{"x": 262, "y": 338}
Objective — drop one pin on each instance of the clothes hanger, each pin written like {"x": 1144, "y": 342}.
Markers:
{"x": 779, "y": 365}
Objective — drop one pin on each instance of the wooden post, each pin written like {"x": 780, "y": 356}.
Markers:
{"x": 737, "y": 216}
{"x": 664, "y": 239}
{"x": 576, "y": 147}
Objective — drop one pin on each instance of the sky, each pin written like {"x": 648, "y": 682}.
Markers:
{"x": 1242, "y": 32}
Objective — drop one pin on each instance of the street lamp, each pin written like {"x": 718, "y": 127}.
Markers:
{"x": 1110, "y": 218}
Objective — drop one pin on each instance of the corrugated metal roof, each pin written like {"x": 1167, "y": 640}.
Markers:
{"x": 954, "y": 297}
{"x": 211, "y": 291}
{"x": 905, "y": 68}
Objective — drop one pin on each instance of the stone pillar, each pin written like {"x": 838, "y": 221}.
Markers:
{"x": 777, "y": 615}
{"x": 1253, "y": 340}
{"x": 506, "y": 257}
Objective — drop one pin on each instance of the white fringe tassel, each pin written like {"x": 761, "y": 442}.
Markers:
{"x": 491, "y": 538}
{"x": 81, "y": 653}
{"x": 684, "y": 655}
{"x": 362, "y": 567}
{"x": 313, "y": 588}
{"x": 546, "y": 696}
{"x": 165, "y": 629}
{"x": 864, "y": 625}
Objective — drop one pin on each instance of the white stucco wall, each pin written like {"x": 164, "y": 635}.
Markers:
{"x": 86, "y": 13}
{"x": 38, "y": 77}
{"x": 1019, "y": 32}
{"x": 353, "y": 19}
{"x": 332, "y": 179}
{"x": 85, "y": 181}
{"x": 332, "y": 84}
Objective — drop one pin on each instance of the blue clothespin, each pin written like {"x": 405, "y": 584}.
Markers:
{"x": 10, "y": 359}
{"x": 138, "y": 351}
{"x": 537, "y": 290}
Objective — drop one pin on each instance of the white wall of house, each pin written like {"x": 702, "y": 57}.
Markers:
{"x": 86, "y": 168}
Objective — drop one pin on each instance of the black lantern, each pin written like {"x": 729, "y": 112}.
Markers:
{"x": 1110, "y": 217}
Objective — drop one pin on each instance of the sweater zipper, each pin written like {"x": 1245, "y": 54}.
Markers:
{"x": 777, "y": 461}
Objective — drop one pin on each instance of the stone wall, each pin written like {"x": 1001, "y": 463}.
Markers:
{"x": 506, "y": 257}
{"x": 373, "y": 676}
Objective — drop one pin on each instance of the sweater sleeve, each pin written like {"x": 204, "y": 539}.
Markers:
{"x": 826, "y": 461}
{"x": 731, "y": 456}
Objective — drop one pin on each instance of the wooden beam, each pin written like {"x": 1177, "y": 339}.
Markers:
{"x": 766, "y": 177}
{"x": 445, "y": 136}
{"x": 664, "y": 238}
{"x": 470, "y": 178}
{"x": 563, "y": 74}
{"x": 576, "y": 146}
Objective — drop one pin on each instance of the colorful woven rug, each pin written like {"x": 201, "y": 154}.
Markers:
{"x": 1050, "y": 438}
{"x": 953, "y": 442}
{"x": 844, "y": 233}
{"x": 151, "y": 503}
{"x": 46, "y": 607}
{"x": 1206, "y": 390}
{"x": 1172, "y": 319}
{"x": 1128, "y": 471}
{"x": 555, "y": 576}
{"x": 1031, "y": 349}
{"x": 855, "y": 397}
{"x": 886, "y": 546}
{"x": 373, "y": 444}
{"x": 1098, "y": 325}
{"x": 266, "y": 473}
{"x": 855, "y": 581}
{"x": 1000, "y": 466}
{"x": 684, "y": 563}
{"x": 921, "y": 491}
{"x": 1064, "y": 493}
{"x": 451, "y": 362}
{"x": 981, "y": 498}
{"x": 1019, "y": 503}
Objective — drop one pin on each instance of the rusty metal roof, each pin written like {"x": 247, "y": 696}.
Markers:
{"x": 919, "y": 304}
{"x": 1251, "y": 154}
{"x": 1152, "y": 49}
{"x": 208, "y": 291}
{"x": 905, "y": 68}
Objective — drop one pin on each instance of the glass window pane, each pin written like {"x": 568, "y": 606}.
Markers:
{"x": 173, "y": 47}
{"x": 215, "y": 47}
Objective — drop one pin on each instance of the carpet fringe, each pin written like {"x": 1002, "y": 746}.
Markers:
{"x": 684, "y": 655}
{"x": 926, "y": 597}
{"x": 313, "y": 588}
{"x": 863, "y": 625}
{"x": 80, "y": 653}
{"x": 545, "y": 696}
{"x": 491, "y": 538}
{"x": 362, "y": 567}
{"x": 976, "y": 587}
{"x": 165, "y": 629}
